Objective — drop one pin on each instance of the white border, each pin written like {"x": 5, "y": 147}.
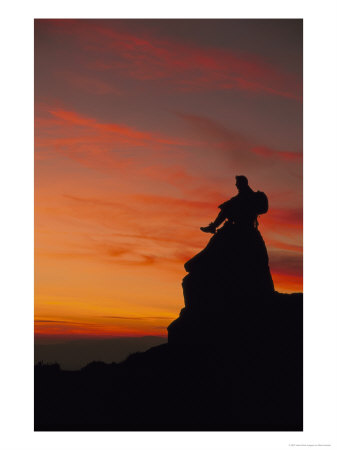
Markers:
{"x": 320, "y": 119}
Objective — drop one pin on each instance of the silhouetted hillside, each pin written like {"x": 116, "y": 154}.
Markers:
{"x": 233, "y": 360}
{"x": 76, "y": 353}
{"x": 252, "y": 381}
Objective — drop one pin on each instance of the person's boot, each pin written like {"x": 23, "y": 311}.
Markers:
{"x": 210, "y": 229}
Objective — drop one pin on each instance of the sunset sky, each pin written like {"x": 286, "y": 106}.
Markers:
{"x": 140, "y": 129}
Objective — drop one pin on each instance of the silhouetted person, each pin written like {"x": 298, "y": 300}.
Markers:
{"x": 236, "y": 253}
{"x": 242, "y": 209}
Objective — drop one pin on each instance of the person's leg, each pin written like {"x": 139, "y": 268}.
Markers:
{"x": 211, "y": 228}
{"x": 221, "y": 217}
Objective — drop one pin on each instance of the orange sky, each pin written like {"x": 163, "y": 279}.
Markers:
{"x": 140, "y": 129}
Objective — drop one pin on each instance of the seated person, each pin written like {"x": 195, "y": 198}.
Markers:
{"x": 242, "y": 209}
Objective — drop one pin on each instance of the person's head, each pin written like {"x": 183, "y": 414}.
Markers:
{"x": 241, "y": 182}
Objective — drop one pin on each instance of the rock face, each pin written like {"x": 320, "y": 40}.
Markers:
{"x": 253, "y": 335}
{"x": 231, "y": 271}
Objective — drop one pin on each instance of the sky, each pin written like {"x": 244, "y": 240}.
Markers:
{"x": 140, "y": 129}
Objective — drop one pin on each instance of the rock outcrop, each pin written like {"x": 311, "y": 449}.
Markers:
{"x": 231, "y": 271}
{"x": 233, "y": 361}
{"x": 251, "y": 333}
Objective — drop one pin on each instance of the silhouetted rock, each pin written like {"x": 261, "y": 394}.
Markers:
{"x": 250, "y": 333}
{"x": 228, "y": 281}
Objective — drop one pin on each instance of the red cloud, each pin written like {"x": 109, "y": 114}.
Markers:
{"x": 112, "y": 146}
{"x": 90, "y": 142}
{"x": 74, "y": 126}
{"x": 90, "y": 84}
{"x": 238, "y": 146}
{"x": 185, "y": 67}
{"x": 283, "y": 155}
{"x": 287, "y": 269}
{"x": 285, "y": 218}
{"x": 111, "y": 128}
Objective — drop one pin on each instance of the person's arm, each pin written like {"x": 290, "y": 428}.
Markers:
{"x": 220, "y": 218}
{"x": 223, "y": 214}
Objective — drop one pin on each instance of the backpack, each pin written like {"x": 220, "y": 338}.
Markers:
{"x": 261, "y": 202}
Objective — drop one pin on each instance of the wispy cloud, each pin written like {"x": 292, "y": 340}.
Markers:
{"x": 139, "y": 317}
{"x": 234, "y": 143}
{"x": 182, "y": 66}
{"x": 92, "y": 85}
{"x": 58, "y": 321}
{"x": 278, "y": 155}
{"x": 287, "y": 263}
